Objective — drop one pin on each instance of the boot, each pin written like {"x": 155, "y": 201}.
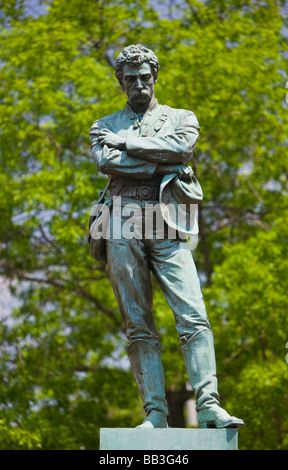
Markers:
{"x": 200, "y": 363}
{"x": 148, "y": 373}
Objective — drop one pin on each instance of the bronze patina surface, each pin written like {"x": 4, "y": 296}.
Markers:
{"x": 138, "y": 147}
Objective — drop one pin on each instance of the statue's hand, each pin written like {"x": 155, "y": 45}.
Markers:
{"x": 184, "y": 172}
{"x": 110, "y": 139}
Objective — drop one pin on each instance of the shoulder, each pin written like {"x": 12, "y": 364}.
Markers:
{"x": 110, "y": 120}
{"x": 182, "y": 115}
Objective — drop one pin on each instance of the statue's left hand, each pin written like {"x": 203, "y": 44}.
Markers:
{"x": 112, "y": 140}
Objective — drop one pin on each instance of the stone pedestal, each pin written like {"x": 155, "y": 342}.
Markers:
{"x": 168, "y": 439}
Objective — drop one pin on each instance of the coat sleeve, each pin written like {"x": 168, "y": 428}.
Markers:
{"x": 174, "y": 148}
{"x": 117, "y": 162}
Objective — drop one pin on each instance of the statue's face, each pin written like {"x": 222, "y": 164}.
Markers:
{"x": 138, "y": 83}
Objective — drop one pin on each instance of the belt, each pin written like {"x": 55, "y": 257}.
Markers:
{"x": 140, "y": 192}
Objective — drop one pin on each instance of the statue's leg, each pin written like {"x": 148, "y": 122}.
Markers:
{"x": 129, "y": 275}
{"x": 200, "y": 362}
{"x": 174, "y": 268}
{"x": 148, "y": 373}
{"x": 130, "y": 278}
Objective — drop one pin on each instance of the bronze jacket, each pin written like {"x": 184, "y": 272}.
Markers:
{"x": 164, "y": 136}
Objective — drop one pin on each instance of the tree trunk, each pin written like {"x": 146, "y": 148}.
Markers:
{"x": 176, "y": 400}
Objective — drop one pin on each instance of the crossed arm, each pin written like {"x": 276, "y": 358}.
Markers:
{"x": 143, "y": 157}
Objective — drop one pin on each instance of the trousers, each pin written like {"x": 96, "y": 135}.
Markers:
{"x": 130, "y": 263}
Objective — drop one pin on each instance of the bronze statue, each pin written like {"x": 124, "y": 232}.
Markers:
{"x": 139, "y": 147}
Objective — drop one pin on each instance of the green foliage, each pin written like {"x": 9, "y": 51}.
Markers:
{"x": 60, "y": 354}
{"x": 249, "y": 303}
{"x": 13, "y": 438}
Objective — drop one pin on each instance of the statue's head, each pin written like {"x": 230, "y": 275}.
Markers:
{"x": 135, "y": 55}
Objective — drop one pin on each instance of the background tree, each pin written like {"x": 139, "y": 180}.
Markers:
{"x": 60, "y": 357}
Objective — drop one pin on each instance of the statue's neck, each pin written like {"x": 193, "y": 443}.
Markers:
{"x": 142, "y": 108}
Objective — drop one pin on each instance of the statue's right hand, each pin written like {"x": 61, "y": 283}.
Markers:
{"x": 184, "y": 172}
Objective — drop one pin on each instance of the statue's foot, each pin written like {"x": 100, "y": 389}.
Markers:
{"x": 217, "y": 417}
{"x": 145, "y": 425}
{"x": 154, "y": 420}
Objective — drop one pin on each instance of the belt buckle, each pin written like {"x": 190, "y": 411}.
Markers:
{"x": 144, "y": 192}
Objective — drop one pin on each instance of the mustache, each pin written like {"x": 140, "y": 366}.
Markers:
{"x": 143, "y": 91}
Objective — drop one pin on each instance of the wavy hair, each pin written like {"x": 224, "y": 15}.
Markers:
{"x": 135, "y": 55}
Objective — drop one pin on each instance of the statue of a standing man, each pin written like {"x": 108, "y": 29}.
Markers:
{"x": 137, "y": 147}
